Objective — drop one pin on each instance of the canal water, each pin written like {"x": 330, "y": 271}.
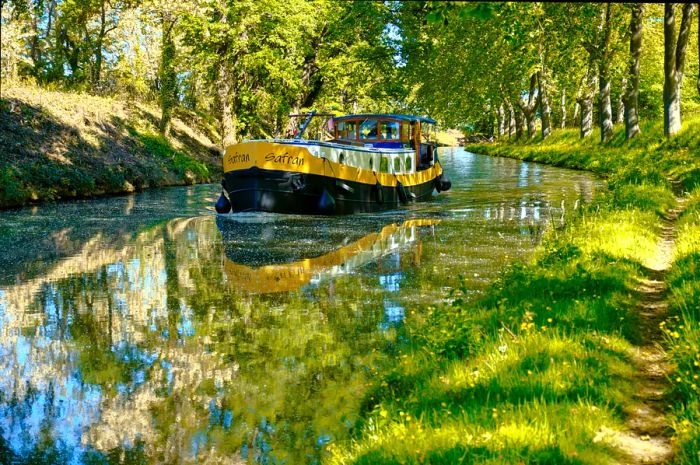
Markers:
{"x": 145, "y": 329}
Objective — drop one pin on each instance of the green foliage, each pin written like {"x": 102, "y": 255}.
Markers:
{"x": 11, "y": 190}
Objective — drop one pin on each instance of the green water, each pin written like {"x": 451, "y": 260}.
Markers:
{"x": 144, "y": 329}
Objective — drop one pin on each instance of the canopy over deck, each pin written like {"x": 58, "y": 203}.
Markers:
{"x": 422, "y": 119}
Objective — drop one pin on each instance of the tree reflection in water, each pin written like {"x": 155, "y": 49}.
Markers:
{"x": 158, "y": 352}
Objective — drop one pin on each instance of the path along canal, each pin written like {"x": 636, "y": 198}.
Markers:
{"x": 145, "y": 329}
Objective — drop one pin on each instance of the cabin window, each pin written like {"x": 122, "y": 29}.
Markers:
{"x": 384, "y": 165}
{"x": 368, "y": 129}
{"x": 405, "y": 131}
{"x": 390, "y": 130}
{"x": 397, "y": 165}
{"x": 347, "y": 130}
{"x": 408, "y": 163}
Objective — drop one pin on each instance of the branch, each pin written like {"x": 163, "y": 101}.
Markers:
{"x": 110, "y": 29}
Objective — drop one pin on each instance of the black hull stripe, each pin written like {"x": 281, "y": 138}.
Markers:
{"x": 289, "y": 192}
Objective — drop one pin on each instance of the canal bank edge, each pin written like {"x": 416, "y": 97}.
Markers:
{"x": 61, "y": 145}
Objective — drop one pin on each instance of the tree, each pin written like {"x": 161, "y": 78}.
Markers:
{"x": 545, "y": 108}
{"x": 674, "y": 62}
{"x": 500, "y": 120}
{"x": 167, "y": 75}
{"x": 218, "y": 33}
{"x": 585, "y": 102}
{"x": 563, "y": 109}
{"x": 631, "y": 99}
{"x": 13, "y": 36}
{"x": 620, "y": 113}
{"x": 528, "y": 105}
{"x": 510, "y": 125}
{"x": 108, "y": 21}
{"x": 604, "y": 58}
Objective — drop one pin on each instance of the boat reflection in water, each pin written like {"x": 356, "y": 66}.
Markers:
{"x": 255, "y": 263}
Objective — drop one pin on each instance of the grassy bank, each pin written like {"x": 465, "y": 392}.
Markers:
{"x": 545, "y": 368}
{"x": 58, "y": 145}
{"x": 683, "y": 333}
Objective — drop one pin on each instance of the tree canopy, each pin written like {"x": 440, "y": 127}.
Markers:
{"x": 502, "y": 68}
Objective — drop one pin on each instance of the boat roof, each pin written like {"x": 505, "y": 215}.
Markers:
{"x": 422, "y": 119}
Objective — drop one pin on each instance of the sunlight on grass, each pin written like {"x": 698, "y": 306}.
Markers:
{"x": 624, "y": 234}
{"x": 682, "y": 332}
{"x": 533, "y": 371}
{"x": 80, "y": 145}
{"x": 624, "y": 231}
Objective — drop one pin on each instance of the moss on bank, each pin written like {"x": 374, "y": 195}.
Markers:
{"x": 58, "y": 145}
{"x": 543, "y": 369}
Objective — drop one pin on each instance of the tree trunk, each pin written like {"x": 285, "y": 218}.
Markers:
{"x": 97, "y": 70}
{"x": 632, "y": 93}
{"x": 528, "y": 107}
{"x": 509, "y": 125}
{"x": 168, "y": 79}
{"x": 546, "y": 111}
{"x": 519, "y": 122}
{"x": 225, "y": 92}
{"x": 49, "y": 21}
{"x": 585, "y": 102}
{"x": 563, "y": 109}
{"x": 620, "y": 115}
{"x": 605, "y": 106}
{"x": 500, "y": 113}
{"x": 586, "y": 116}
{"x": 577, "y": 110}
{"x": 35, "y": 40}
{"x": 674, "y": 61}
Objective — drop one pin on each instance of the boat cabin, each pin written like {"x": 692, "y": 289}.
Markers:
{"x": 388, "y": 131}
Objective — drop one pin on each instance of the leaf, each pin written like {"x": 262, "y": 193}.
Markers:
{"x": 434, "y": 17}
{"x": 481, "y": 11}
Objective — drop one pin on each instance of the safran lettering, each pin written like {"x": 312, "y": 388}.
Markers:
{"x": 285, "y": 158}
{"x": 238, "y": 157}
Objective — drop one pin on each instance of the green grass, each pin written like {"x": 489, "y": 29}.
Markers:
{"x": 531, "y": 373}
{"x": 540, "y": 370}
{"x": 682, "y": 332}
{"x": 186, "y": 166}
{"x": 639, "y": 174}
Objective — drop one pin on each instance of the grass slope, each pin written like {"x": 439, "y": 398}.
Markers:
{"x": 544, "y": 368}
{"x": 56, "y": 145}
{"x": 683, "y": 333}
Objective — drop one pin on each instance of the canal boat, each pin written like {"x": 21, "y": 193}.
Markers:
{"x": 366, "y": 163}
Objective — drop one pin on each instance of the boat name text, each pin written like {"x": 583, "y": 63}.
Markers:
{"x": 238, "y": 157}
{"x": 285, "y": 158}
